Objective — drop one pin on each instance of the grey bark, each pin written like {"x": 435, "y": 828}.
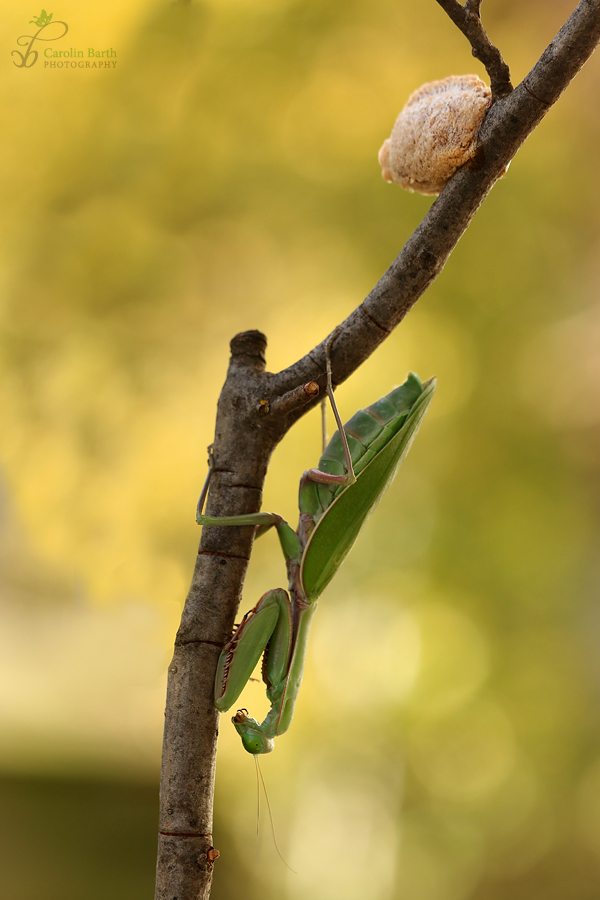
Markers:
{"x": 256, "y": 409}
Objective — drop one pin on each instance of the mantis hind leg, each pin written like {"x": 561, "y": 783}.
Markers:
{"x": 316, "y": 474}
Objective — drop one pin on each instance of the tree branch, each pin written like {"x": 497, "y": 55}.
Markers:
{"x": 248, "y": 429}
{"x": 467, "y": 19}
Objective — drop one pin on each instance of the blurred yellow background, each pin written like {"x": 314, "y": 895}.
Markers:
{"x": 223, "y": 176}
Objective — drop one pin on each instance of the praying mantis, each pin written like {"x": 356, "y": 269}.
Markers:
{"x": 356, "y": 468}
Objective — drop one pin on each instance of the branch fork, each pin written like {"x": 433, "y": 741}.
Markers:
{"x": 467, "y": 19}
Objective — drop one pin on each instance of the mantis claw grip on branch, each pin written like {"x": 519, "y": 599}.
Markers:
{"x": 355, "y": 470}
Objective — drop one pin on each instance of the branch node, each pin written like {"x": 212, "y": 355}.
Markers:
{"x": 372, "y": 319}
{"x": 531, "y": 94}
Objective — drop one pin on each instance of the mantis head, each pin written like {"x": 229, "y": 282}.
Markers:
{"x": 249, "y": 730}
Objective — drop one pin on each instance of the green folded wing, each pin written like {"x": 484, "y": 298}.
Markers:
{"x": 339, "y": 525}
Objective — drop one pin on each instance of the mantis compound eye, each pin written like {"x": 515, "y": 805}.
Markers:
{"x": 436, "y": 133}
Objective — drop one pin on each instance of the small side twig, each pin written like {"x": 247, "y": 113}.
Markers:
{"x": 290, "y": 402}
{"x": 467, "y": 19}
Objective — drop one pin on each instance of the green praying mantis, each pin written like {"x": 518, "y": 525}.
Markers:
{"x": 356, "y": 468}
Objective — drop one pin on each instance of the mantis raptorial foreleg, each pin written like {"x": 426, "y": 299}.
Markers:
{"x": 354, "y": 471}
{"x": 269, "y": 624}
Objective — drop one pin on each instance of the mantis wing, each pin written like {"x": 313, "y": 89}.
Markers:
{"x": 339, "y": 525}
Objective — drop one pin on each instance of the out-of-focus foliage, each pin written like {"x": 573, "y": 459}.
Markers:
{"x": 223, "y": 177}
{"x": 93, "y": 839}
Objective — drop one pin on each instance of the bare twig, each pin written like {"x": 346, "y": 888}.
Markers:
{"x": 245, "y": 439}
{"x": 468, "y": 19}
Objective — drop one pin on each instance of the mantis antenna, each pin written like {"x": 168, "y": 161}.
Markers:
{"x": 279, "y": 853}
{"x": 257, "y": 807}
